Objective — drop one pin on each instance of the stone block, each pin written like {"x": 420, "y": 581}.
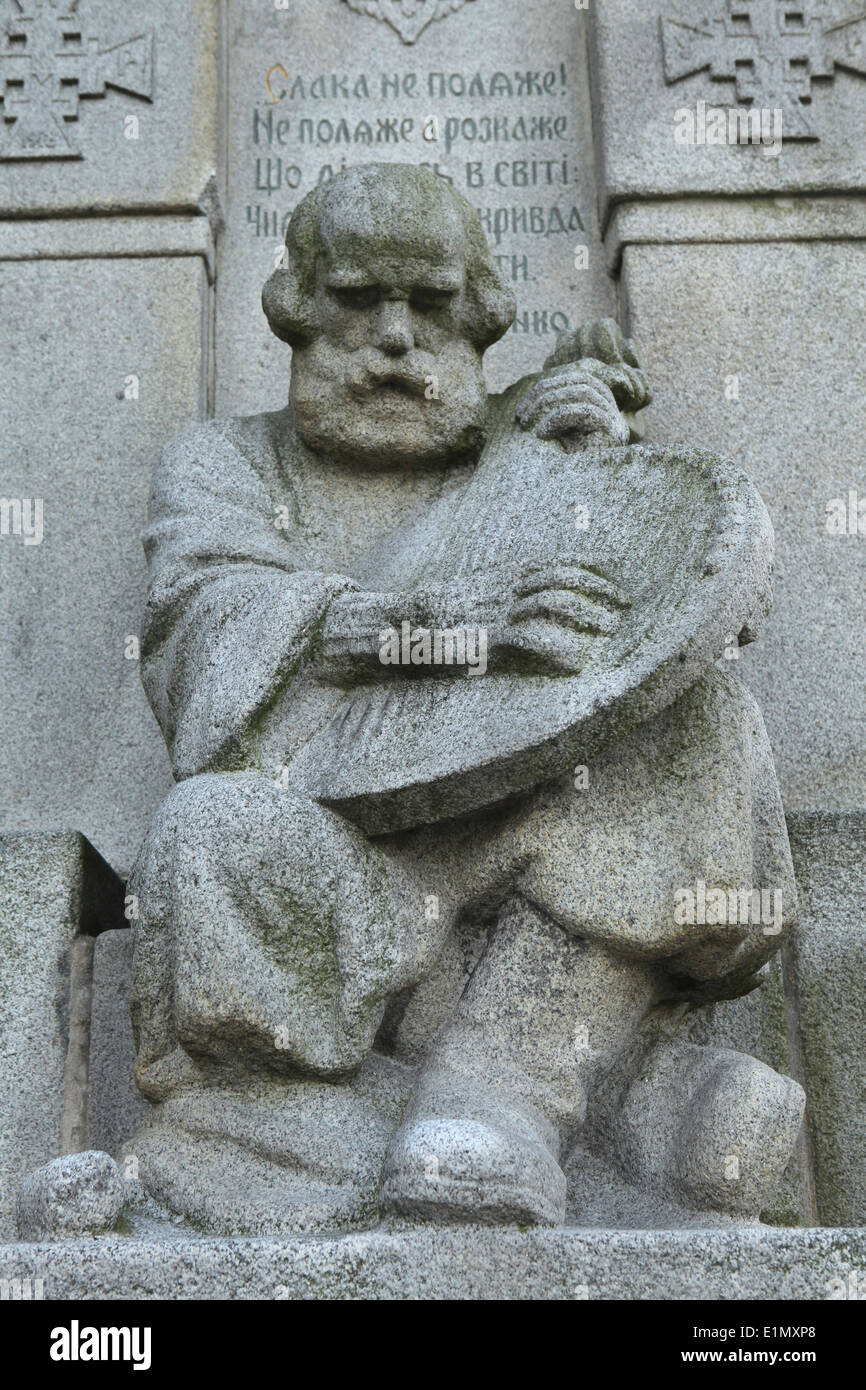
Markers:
{"x": 749, "y": 345}
{"x": 650, "y": 62}
{"x": 455, "y": 1262}
{"x": 55, "y": 892}
{"x": 110, "y": 108}
{"x": 829, "y": 960}
{"x": 103, "y": 360}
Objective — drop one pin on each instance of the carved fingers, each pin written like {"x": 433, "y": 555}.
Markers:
{"x": 572, "y": 401}
{"x": 600, "y": 338}
{"x": 572, "y": 596}
{"x": 564, "y": 606}
{"x": 557, "y": 611}
{"x": 599, "y": 347}
{"x": 573, "y": 577}
{"x": 629, "y": 385}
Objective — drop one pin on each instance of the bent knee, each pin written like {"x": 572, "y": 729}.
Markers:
{"x": 245, "y": 818}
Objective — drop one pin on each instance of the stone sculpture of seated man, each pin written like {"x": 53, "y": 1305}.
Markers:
{"x": 335, "y": 1023}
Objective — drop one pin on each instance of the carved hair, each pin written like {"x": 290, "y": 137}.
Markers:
{"x": 288, "y": 297}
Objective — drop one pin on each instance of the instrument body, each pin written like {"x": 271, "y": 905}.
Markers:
{"x": 681, "y": 537}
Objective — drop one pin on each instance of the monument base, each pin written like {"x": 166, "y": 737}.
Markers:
{"x": 465, "y": 1263}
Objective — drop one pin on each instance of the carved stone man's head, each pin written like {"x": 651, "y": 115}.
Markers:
{"x": 389, "y": 299}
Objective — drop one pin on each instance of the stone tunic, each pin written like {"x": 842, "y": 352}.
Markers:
{"x": 272, "y": 932}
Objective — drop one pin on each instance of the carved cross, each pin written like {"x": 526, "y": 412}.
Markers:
{"x": 46, "y": 64}
{"x": 772, "y": 50}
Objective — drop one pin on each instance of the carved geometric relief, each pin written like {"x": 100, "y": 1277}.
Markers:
{"x": 409, "y": 17}
{"x": 773, "y": 50}
{"x": 47, "y": 62}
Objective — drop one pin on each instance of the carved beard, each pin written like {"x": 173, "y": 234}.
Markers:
{"x": 365, "y": 407}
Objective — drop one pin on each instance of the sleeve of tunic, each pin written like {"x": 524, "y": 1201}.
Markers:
{"x": 230, "y": 615}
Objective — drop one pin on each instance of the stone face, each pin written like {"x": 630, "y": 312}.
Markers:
{"x": 636, "y": 48}
{"x": 278, "y": 943}
{"x": 69, "y": 1197}
{"x": 829, "y": 958}
{"x": 102, "y": 359}
{"x": 106, "y": 109}
{"x": 511, "y": 119}
{"x": 755, "y": 378}
{"x": 53, "y": 888}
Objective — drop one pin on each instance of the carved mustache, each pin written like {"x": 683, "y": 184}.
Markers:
{"x": 369, "y": 371}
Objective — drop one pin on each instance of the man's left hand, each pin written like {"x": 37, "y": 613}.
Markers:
{"x": 571, "y": 402}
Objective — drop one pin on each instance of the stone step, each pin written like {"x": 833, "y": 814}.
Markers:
{"x": 455, "y": 1263}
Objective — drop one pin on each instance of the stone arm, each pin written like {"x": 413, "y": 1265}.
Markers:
{"x": 230, "y": 619}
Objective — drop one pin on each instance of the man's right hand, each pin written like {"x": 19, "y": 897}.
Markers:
{"x": 557, "y": 612}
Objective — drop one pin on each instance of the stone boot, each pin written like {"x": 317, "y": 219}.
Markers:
{"x": 707, "y": 1127}
{"x": 273, "y": 1157}
{"x": 506, "y": 1081}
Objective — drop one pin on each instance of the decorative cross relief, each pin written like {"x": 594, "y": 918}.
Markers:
{"x": 772, "y": 49}
{"x": 46, "y": 64}
{"x": 409, "y": 17}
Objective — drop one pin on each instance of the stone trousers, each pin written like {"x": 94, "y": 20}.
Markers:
{"x": 273, "y": 933}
